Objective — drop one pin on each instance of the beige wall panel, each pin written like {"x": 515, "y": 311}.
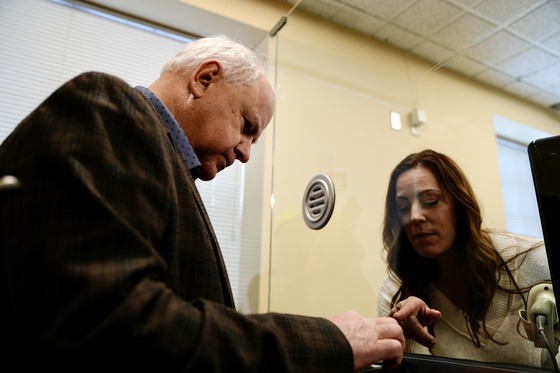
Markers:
{"x": 336, "y": 92}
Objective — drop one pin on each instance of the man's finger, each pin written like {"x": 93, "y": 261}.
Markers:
{"x": 390, "y": 351}
{"x": 389, "y": 329}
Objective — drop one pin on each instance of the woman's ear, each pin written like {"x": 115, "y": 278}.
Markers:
{"x": 207, "y": 73}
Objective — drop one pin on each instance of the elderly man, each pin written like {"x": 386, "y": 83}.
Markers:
{"x": 109, "y": 260}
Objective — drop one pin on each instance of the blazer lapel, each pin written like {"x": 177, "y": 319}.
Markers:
{"x": 228, "y": 294}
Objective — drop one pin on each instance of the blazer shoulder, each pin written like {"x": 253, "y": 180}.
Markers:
{"x": 99, "y": 81}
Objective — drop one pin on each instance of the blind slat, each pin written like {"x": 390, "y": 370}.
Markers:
{"x": 522, "y": 214}
{"x": 44, "y": 44}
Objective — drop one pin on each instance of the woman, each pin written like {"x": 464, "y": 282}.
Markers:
{"x": 438, "y": 253}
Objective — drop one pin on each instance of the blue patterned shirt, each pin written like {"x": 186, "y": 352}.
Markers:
{"x": 177, "y": 134}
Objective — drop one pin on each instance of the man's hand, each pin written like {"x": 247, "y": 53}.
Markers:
{"x": 413, "y": 315}
{"x": 372, "y": 340}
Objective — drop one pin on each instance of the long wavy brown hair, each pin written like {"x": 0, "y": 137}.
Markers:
{"x": 478, "y": 262}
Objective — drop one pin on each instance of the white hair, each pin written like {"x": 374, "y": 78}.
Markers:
{"x": 241, "y": 64}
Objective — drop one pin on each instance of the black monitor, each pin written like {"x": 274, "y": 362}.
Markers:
{"x": 544, "y": 157}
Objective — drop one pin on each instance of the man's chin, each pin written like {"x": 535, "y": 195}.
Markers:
{"x": 205, "y": 174}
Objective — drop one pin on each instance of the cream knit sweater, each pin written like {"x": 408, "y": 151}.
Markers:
{"x": 451, "y": 333}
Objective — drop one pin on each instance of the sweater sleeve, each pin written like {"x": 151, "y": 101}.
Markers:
{"x": 526, "y": 258}
{"x": 386, "y": 292}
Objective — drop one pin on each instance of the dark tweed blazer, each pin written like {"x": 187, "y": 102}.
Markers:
{"x": 109, "y": 261}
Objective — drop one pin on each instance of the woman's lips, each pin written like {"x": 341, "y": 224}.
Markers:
{"x": 422, "y": 235}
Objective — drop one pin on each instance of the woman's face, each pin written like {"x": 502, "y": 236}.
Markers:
{"x": 426, "y": 213}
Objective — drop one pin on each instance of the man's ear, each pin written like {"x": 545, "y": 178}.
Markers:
{"x": 207, "y": 73}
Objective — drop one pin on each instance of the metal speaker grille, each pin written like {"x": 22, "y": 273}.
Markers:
{"x": 318, "y": 201}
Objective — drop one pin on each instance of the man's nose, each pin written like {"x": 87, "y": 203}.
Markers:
{"x": 243, "y": 150}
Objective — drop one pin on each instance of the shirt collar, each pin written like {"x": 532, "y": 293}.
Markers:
{"x": 177, "y": 134}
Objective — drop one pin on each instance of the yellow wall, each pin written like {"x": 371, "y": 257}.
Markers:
{"x": 336, "y": 90}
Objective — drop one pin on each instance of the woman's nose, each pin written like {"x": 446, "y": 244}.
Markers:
{"x": 417, "y": 213}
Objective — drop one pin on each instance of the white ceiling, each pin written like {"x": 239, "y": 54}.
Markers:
{"x": 510, "y": 44}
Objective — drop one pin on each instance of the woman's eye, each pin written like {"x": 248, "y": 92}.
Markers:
{"x": 404, "y": 209}
{"x": 431, "y": 203}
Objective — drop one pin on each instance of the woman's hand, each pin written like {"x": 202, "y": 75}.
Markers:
{"x": 413, "y": 316}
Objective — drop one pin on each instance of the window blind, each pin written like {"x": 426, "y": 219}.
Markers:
{"x": 522, "y": 214}
{"x": 45, "y": 43}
